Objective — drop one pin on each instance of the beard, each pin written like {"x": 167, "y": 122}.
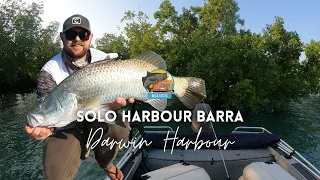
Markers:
{"x": 76, "y": 55}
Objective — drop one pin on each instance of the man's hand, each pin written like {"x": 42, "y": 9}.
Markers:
{"x": 39, "y": 133}
{"x": 119, "y": 103}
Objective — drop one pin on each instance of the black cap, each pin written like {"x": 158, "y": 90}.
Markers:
{"x": 76, "y": 20}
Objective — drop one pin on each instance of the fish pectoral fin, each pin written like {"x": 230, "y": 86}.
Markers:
{"x": 98, "y": 107}
{"x": 105, "y": 114}
{"x": 92, "y": 103}
{"x": 101, "y": 113}
{"x": 159, "y": 104}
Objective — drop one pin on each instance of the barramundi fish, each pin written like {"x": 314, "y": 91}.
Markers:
{"x": 102, "y": 82}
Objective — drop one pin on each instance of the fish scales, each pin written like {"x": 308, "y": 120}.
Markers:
{"x": 119, "y": 78}
{"x": 90, "y": 88}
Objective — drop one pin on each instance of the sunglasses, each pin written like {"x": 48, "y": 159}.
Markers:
{"x": 83, "y": 35}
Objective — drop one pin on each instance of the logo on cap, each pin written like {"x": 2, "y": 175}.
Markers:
{"x": 76, "y": 20}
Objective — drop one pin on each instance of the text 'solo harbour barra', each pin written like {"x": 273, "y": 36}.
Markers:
{"x": 159, "y": 85}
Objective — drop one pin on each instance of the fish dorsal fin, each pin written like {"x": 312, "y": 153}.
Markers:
{"x": 102, "y": 61}
{"x": 152, "y": 58}
{"x": 149, "y": 73}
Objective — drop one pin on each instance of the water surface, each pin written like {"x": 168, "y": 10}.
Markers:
{"x": 21, "y": 157}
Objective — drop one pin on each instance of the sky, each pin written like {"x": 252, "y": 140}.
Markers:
{"x": 105, "y": 15}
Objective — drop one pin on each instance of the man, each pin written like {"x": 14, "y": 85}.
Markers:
{"x": 195, "y": 125}
{"x": 65, "y": 147}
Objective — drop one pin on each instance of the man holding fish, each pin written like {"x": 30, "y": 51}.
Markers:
{"x": 65, "y": 147}
{"x": 76, "y": 80}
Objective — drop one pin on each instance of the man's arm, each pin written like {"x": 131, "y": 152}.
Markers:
{"x": 45, "y": 84}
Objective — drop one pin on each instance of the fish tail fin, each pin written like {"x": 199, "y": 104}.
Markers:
{"x": 190, "y": 90}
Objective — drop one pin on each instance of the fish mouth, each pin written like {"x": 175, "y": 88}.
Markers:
{"x": 34, "y": 119}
